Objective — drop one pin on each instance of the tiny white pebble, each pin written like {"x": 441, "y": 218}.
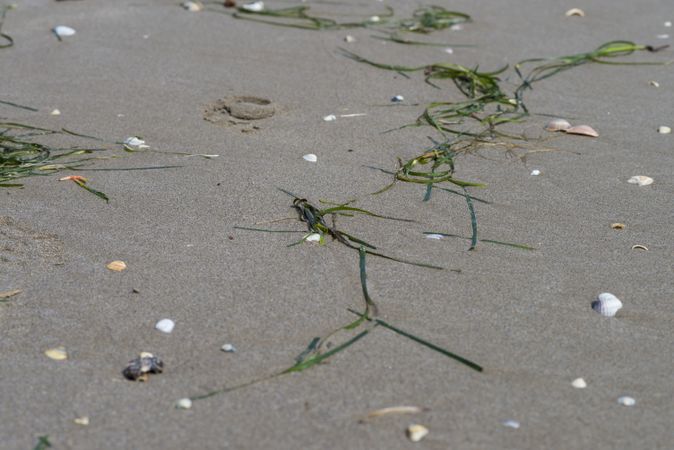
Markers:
{"x": 375, "y": 19}
{"x": 313, "y": 237}
{"x": 330, "y": 118}
{"x": 55, "y": 112}
{"x": 184, "y": 403}
{"x": 350, "y": 39}
{"x": 662, "y": 36}
{"x": 397, "y": 99}
{"x": 310, "y": 157}
{"x": 456, "y": 27}
{"x": 579, "y": 383}
{"x": 63, "y": 31}
{"x": 535, "y": 172}
{"x": 449, "y": 50}
{"x": 511, "y": 424}
{"x": 627, "y": 401}
{"x": 668, "y": 24}
{"x": 165, "y": 325}
{"x": 434, "y": 236}
{"x": 654, "y": 83}
{"x": 229, "y": 348}
{"x": 664, "y": 130}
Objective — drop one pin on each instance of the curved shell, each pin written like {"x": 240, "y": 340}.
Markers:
{"x": 116, "y": 266}
{"x": 557, "y": 125}
{"x": 641, "y": 180}
{"x": 583, "y": 130}
{"x": 415, "y": 433}
{"x": 64, "y": 31}
{"x": 310, "y": 157}
{"x": 575, "y": 12}
{"x": 607, "y": 304}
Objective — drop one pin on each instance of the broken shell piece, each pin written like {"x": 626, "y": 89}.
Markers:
{"x": 350, "y": 39}
{"x": 394, "y": 410}
{"x": 654, "y": 83}
{"x": 165, "y": 325}
{"x": 639, "y": 247}
{"x": 57, "y": 354}
{"x": 84, "y": 420}
{"x": 193, "y": 6}
{"x": 63, "y": 31}
{"x": 330, "y": 118}
{"x": 253, "y": 7}
{"x": 228, "y": 348}
{"x": 579, "y": 383}
{"x": 415, "y": 433}
{"x": 55, "y": 112}
{"x": 434, "y": 236}
{"x": 116, "y": 266}
{"x": 139, "y": 368}
{"x": 583, "y": 130}
{"x": 641, "y": 180}
{"x": 575, "y": 12}
{"x": 558, "y": 125}
{"x": 664, "y": 130}
{"x": 397, "y": 99}
{"x": 618, "y": 226}
{"x": 607, "y": 304}
{"x": 310, "y": 157}
{"x": 184, "y": 403}
{"x": 134, "y": 141}
{"x": 535, "y": 172}
{"x": 627, "y": 401}
{"x": 313, "y": 237}
{"x": 511, "y": 424}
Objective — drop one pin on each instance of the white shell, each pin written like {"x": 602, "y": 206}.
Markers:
{"x": 192, "y": 6}
{"x": 254, "y": 7}
{"x": 456, "y": 27}
{"x": 57, "y": 354}
{"x": 654, "y": 83}
{"x": 639, "y": 247}
{"x": 165, "y": 325}
{"x": 313, "y": 237}
{"x": 184, "y": 403}
{"x": 228, "y": 348}
{"x": 330, "y": 118}
{"x": 583, "y": 130}
{"x": 434, "y": 236}
{"x": 310, "y": 157}
{"x": 558, "y": 125}
{"x": 575, "y": 12}
{"x": 134, "y": 141}
{"x": 415, "y": 433}
{"x": 607, "y": 304}
{"x": 375, "y": 19}
{"x": 511, "y": 424}
{"x": 350, "y": 39}
{"x": 116, "y": 266}
{"x": 397, "y": 99}
{"x": 55, "y": 112}
{"x": 449, "y": 50}
{"x": 641, "y": 180}
{"x": 579, "y": 383}
{"x": 64, "y": 31}
{"x": 627, "y": 401}
{"x": 535, "y": 172}
{"x": 664, "y": 130}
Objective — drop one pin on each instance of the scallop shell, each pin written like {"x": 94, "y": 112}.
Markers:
{"x": 558, "y": 125}
{"x": 575, "y": 12}
{"x": 641, "y": 180}
{"x": 57, "y": 354}
{"x": 415, "y": 433}
{"x": 64, "y": 31}
{"x": 310, "y": 157}
{"x": 116, "y": 266}
{"x": 607, "y": 304}
{"x": 583, "y": 130}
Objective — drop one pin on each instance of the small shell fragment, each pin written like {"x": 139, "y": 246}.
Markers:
{"x": 583, "y": 130}
{"x": 134, "y": 141}
{"x": 535, "y": 172}
{"x": 415, "y": 432}
{"x": 55, "y": 112}
{"x": 165, "y": 325}
{"x": 618, "y": 226}
{"x": 575, "y": 12}
{"x": 116, "y": 266}
{"x": 330, "y": 118}
{"x": 184, "y": 403}
{"x": 627, "y": 401}
{"x": 313, "y": 237}
{"x": 349, "y": 39}
{"x": 558, "y": 125}
{"x": 654, "y": 83}
{"x": 310, "y": 157}
{"x": 63, "y": 31}
{"x": 84, "y": 420}
{"x": 579, "y": 383}
{"x": 375, "y": 19}
{"x": 435, "y": 236}
{"x": 394, "y": 410}
{"x": 253, "y": 7}
{"x": 57, "y": 354}
{"x": 228, "y": 348}
{"x": 607, "y": 304}
{"x": 511, "y": 424}
{"x": 192, "y": 6}
{"x": 639, "y": 247}
{"x": 397, "y": 99}
{"x": 641, "y": 180}
{"x": 664, "y": 130}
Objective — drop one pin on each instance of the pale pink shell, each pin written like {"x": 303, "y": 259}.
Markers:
{"x": 557, "y": 125}
{"x": 583, "y": 130}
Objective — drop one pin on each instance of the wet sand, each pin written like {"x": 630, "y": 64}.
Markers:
{"x": 149, "y": 68}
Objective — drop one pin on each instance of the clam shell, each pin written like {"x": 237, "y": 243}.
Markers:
{"x": 165, "y": 325}
{"x": 55, "y": 112}
{"x": 575, "y": 12}
{"x": 64, "y": 31}
{"x": 607, "y": 304}
{"x": 583, "y": 130}
{"x": 57, "y": 354}
{"x": 558, "y": 125}
{"x": 116, "y": 266}
{"x": 415, "y": 432}
{"x": 310, "y": 157}
{"x": 641, "y": 180}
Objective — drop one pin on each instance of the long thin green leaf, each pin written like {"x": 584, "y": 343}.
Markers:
{"x": 473, "y": 220}
{"x": 317, "y": 359}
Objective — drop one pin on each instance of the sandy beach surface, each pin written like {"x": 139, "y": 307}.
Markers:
{"x": 150, "y": 68}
